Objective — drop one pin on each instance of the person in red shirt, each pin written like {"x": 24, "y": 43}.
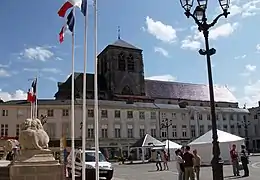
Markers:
{"x": 234, "y": 159}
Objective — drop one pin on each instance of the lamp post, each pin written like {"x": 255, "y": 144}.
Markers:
{"x": 200, "y": 19}
{"x": 165, "y": 125}
{"x": 245, "y": 123}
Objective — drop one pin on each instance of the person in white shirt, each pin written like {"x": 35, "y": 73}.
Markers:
{"x": 179, "y": 161}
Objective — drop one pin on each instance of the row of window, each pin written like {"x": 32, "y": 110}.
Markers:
{"x": 4, "y": 130}
{"x": 117, "y": 133}
{"x": 51, "y": 130}
{"x": 117, "y": 114}
{"x": 218, "y": 116}
{"x": 104, "y": 113}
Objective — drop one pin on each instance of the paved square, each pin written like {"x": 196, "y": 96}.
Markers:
{"x": 148, "y": 171}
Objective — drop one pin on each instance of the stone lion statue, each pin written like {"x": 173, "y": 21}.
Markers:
{"x": 32, "y": 135}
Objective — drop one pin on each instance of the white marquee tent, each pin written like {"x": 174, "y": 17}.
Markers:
{"x": 147, "y": 142}
{"x": 203, "y": 144}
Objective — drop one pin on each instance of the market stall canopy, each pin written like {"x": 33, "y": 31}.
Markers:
{"x": 222, "y": 137}
{"x": 172, "y": 145}
{"x": 203, "y": 145}
{"x": 148, "y": 141}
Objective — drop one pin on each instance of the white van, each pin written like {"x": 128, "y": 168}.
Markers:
{"x": 105, "y": 168}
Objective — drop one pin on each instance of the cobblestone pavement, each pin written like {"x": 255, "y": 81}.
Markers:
{"x": 148, "y": 171}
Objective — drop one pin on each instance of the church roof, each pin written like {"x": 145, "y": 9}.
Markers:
{"x": 124, "y": 44}
{"x": 186, "y": 91}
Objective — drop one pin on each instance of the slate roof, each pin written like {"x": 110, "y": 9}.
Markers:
{"x": 124, "y": 44}
{"x": 186, "y": 91}
{"x": 64, "y": 87}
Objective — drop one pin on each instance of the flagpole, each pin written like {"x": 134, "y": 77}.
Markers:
{"x": 72, "y": 102}
{"x": 96, "y": 94}
{"x": 84, "y": 95}
{"x": 36, "y": 97}
{"x": 31, "y": 110}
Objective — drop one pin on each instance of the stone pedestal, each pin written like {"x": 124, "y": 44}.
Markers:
{"x": 34, "y": 165}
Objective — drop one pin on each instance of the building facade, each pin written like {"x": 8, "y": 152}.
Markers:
{"x": 129, "y": 105}
{"x": 121, "y": 123}
{"x": 253, "y": 126}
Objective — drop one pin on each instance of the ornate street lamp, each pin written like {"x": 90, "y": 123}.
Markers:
{"x": 200, "y": 19}
{"x": 245, "y": 123}
{"x": 165, "y": 125}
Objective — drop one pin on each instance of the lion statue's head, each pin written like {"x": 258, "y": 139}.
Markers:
{"x": 34, "y": 124}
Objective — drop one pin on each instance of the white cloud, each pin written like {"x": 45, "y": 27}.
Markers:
{"x": 250, "y": 67}
{"x": 161, "y": 51}
{"x": 258, "y": 47}
{"x": 37, "y": 53}
{"x": 191, "y": 44}
{"x": 4, "y": 73}
{"x": 251, "y": 94}
{"x": 248, "y": 70}
{"x": 51, "y": 70}
{"x": 223, "y": 30}
{"x": 243, "y": 8}
{"x": 250, "y": 8}
{"x": 5, "y": 65}
{"x": 17, "y": 95}
{"x": 241, "y": 57}
{"x": 47, "y": 70}
{"x": 58, "y": 59}
{"x": 166, "y": 77}
{"x": 31, "y": 69}
{"x": 163, "y": 32}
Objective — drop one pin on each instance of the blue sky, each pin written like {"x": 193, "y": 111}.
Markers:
{"x": 170, "y": 41}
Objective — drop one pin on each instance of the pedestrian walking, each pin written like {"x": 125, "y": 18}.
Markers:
{"x": 182, "y": 164}
{"x": 197, "y": 164}
{"x": 165, "y": 160}
{"x": 235, "y": 161}
{"x": 188, "y": 158}
{"x": 244, "y": 160}
{"x": 158, "y": 161}
{"x": 179, "y": 163}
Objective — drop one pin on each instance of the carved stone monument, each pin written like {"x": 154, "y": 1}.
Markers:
{"x": 35, "y": 161}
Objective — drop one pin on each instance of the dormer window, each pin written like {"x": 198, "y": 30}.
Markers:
{"x": 121, "y": 62}
{"x": 130, "y": 63}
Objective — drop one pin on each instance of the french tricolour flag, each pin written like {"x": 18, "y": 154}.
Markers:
{"x": 69, "y": 25}
{"x": 82, "y": 4}
{"x": 31, "y": 94}
{"x": 67, "y": 5}
{"x": 71, "y": 3}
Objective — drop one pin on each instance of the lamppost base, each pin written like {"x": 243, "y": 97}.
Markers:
{"x": 217, "y": 169}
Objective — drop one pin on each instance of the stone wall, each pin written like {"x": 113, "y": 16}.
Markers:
{"x": 36, "y": 172}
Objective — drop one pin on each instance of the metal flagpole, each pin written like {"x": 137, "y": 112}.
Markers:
{"x": 36, "y": 97}
{"x": 31, "y": 110}
{"x": 84, "y": 97}
{"x": 72, "y": 102}
{"x": 96, "y": 94}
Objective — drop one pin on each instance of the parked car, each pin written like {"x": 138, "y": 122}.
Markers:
{"x": 105, "y": 168}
